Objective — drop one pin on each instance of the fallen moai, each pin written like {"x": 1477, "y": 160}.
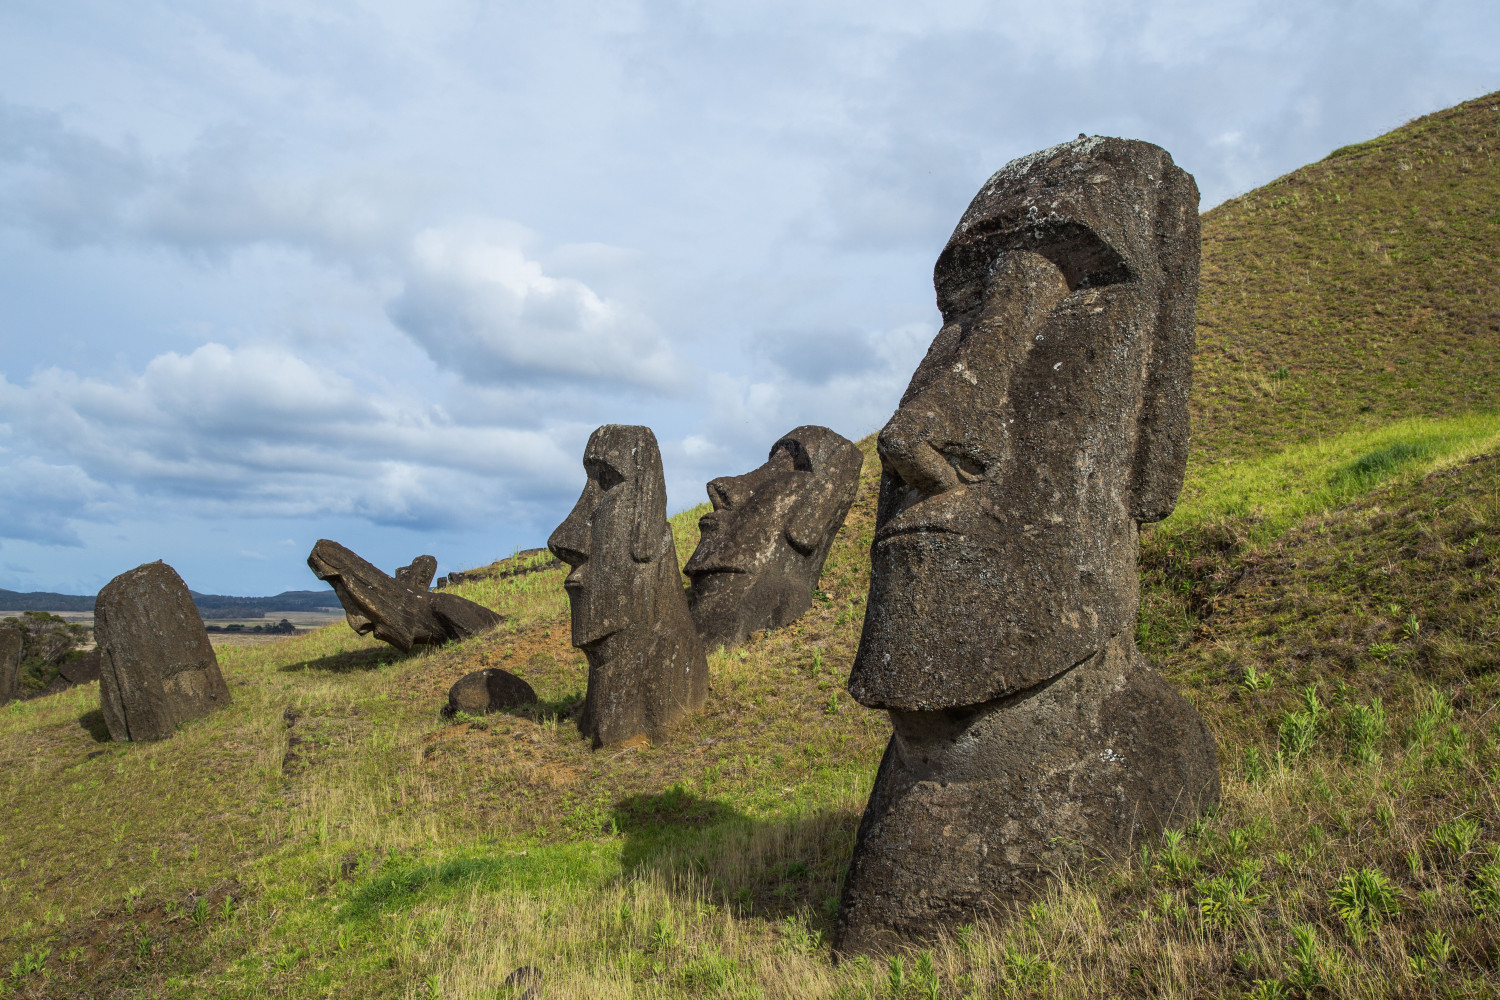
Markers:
{"x": 629, "y": 612}
{"x": 399, "y": 613}
{"x": 763, "y": 546}
{"x": 489, "y": 690}
{"x": 1046, "y": 423}
{"x": 156, "y": 667}
{"x": 12, "y": 648}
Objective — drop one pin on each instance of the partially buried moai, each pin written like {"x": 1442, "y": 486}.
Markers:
{"x": 156, "y": 667}
{"x": 630, "y": 613}
{"x": 1046, "y": 423}
{"x": 763, "y": 546}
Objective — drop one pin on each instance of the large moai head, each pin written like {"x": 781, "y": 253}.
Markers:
{"x": 763, "y": 546}
{"x": 1047, "y": 421}
{"x": 629, "y": 611}
{"x": 616, "y": 535}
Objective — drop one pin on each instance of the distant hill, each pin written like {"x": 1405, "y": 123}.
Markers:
{"x": 1355, "y": 290}
{"x": 209, "y": 605}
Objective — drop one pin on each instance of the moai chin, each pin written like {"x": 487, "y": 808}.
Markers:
{"x": 1046, "y": 423}
{"x": 763, "y": 546}
{"x": 629, "y": 612}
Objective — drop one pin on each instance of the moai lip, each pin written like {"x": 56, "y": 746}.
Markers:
{"x": 1047, "y": 422}
{"x": 156, "y": 666}
{"x": 629, "y": 611}
{"x": 763, "y": 546}
{"x": 400, "y": 611}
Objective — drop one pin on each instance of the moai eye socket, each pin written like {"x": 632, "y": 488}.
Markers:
{"x": 969, "y": 469}
{"x": 607, "y": 476}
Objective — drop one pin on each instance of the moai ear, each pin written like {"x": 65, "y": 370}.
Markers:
{"x": 650, "y": 512}
{"x": 1162, "y": 426}
{"x": 805, "y": 528}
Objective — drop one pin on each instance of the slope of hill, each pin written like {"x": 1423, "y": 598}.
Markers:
{"x": 1328, "y": 594}
{"x": 1354, "y": 290}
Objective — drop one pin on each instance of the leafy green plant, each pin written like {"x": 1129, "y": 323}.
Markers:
{"x": 1026, "y": 972}
{"x": 1364, "y": 728}
{"x": 1435, "y": 954}
{"x": 1306, "y": 969}
{"x": 1228, "y": 899}
{"x": 1255, "y": 680}
{"x": 1484, "y": 896}
{"x": 1456, "y": 837}
{"x": 1363, "y": 899}
{"x": 200, "y": 912}
{"x": 1296, "y": 735}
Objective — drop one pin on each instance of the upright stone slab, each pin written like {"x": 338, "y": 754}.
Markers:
{"x": 400, "y": 611}
{"x": 630, "y": 614}
{"x": 418, "y": 575}
{"x": 156, "y": 667}
{"x": 763, "y": 546}
{"x": 12, "y": 647}
{"x": 1046, "y": 423}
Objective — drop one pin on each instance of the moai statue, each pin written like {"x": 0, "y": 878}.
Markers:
{"x": 630, "y": 614}
{"x": 1047, "y": 422}
{"x": 12, "y": 647}
{"x": 763, "y": 545}
{"x": 399, "y": 610}
{"x": 156, "y": 667}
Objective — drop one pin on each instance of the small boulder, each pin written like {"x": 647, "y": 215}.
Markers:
{"x": 525, "y": 983}
{"x": 489, "y": 690}
{"x": 156, "y": 667}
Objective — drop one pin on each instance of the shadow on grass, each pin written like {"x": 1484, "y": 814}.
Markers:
{"x": 772, "y": 869}
{"x": 355, "y": 660}
{"x": 93, "y": 724}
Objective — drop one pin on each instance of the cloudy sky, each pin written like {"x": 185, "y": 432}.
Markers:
{"x": 275, "y": 271}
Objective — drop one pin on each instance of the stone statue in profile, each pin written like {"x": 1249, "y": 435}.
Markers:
{"x": 629, "y": 609}
{"x": 763, "y": 546}
{"x": 1047, "y": 422}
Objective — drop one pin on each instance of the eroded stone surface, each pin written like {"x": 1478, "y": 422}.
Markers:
{"x": 156, "y": 667}
{"x": 629, "y": 611}
{"x": 976, "y": 807}
{"x": 1046, "y": 423}
{"x": 395, "y": 612}
{"x": 489, "y": 690}
{"x": 762, "y": 547}
{"x": 418, "y": 575}
{"x": 82, "y": 669}
{"x": 12, "y": 646}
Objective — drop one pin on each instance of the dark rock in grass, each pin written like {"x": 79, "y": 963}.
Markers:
{"x": 762, "y": 547}
{"x": 82, "y": 669}
{"x": 418, "y": 576}
{"x": 156, "y": 667}
{"x": 1047, "y": 422}
{"x": 629, "y": 612}
{"x": 395, "y": 612}
{"x": 489, "y": 690}
{"x": 525, "y": 982}
{"x": 12, "y": 646}
{"x": 979, "y": 806}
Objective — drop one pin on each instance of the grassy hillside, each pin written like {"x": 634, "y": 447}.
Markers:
{"x": 1328, "y": 594}
{"x": 1355, "y": 290}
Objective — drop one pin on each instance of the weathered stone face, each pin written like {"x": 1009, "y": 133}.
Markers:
{"x": 12, "y": 645}
{"x": 156, "y": 667}
{"x": 1047, "y": 421}
{"x": 401, "y": 614}
{"x": 763, "y": 546}
{"x": 629, "y": 612}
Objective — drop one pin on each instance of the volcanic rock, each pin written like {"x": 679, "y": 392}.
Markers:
{"x": 489, "y": 690}
{"x": 629, "y": 612}
{"x": 396, "y": 612}
{"x": 156, "y": 667}
{"x": 761, "y": 549}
